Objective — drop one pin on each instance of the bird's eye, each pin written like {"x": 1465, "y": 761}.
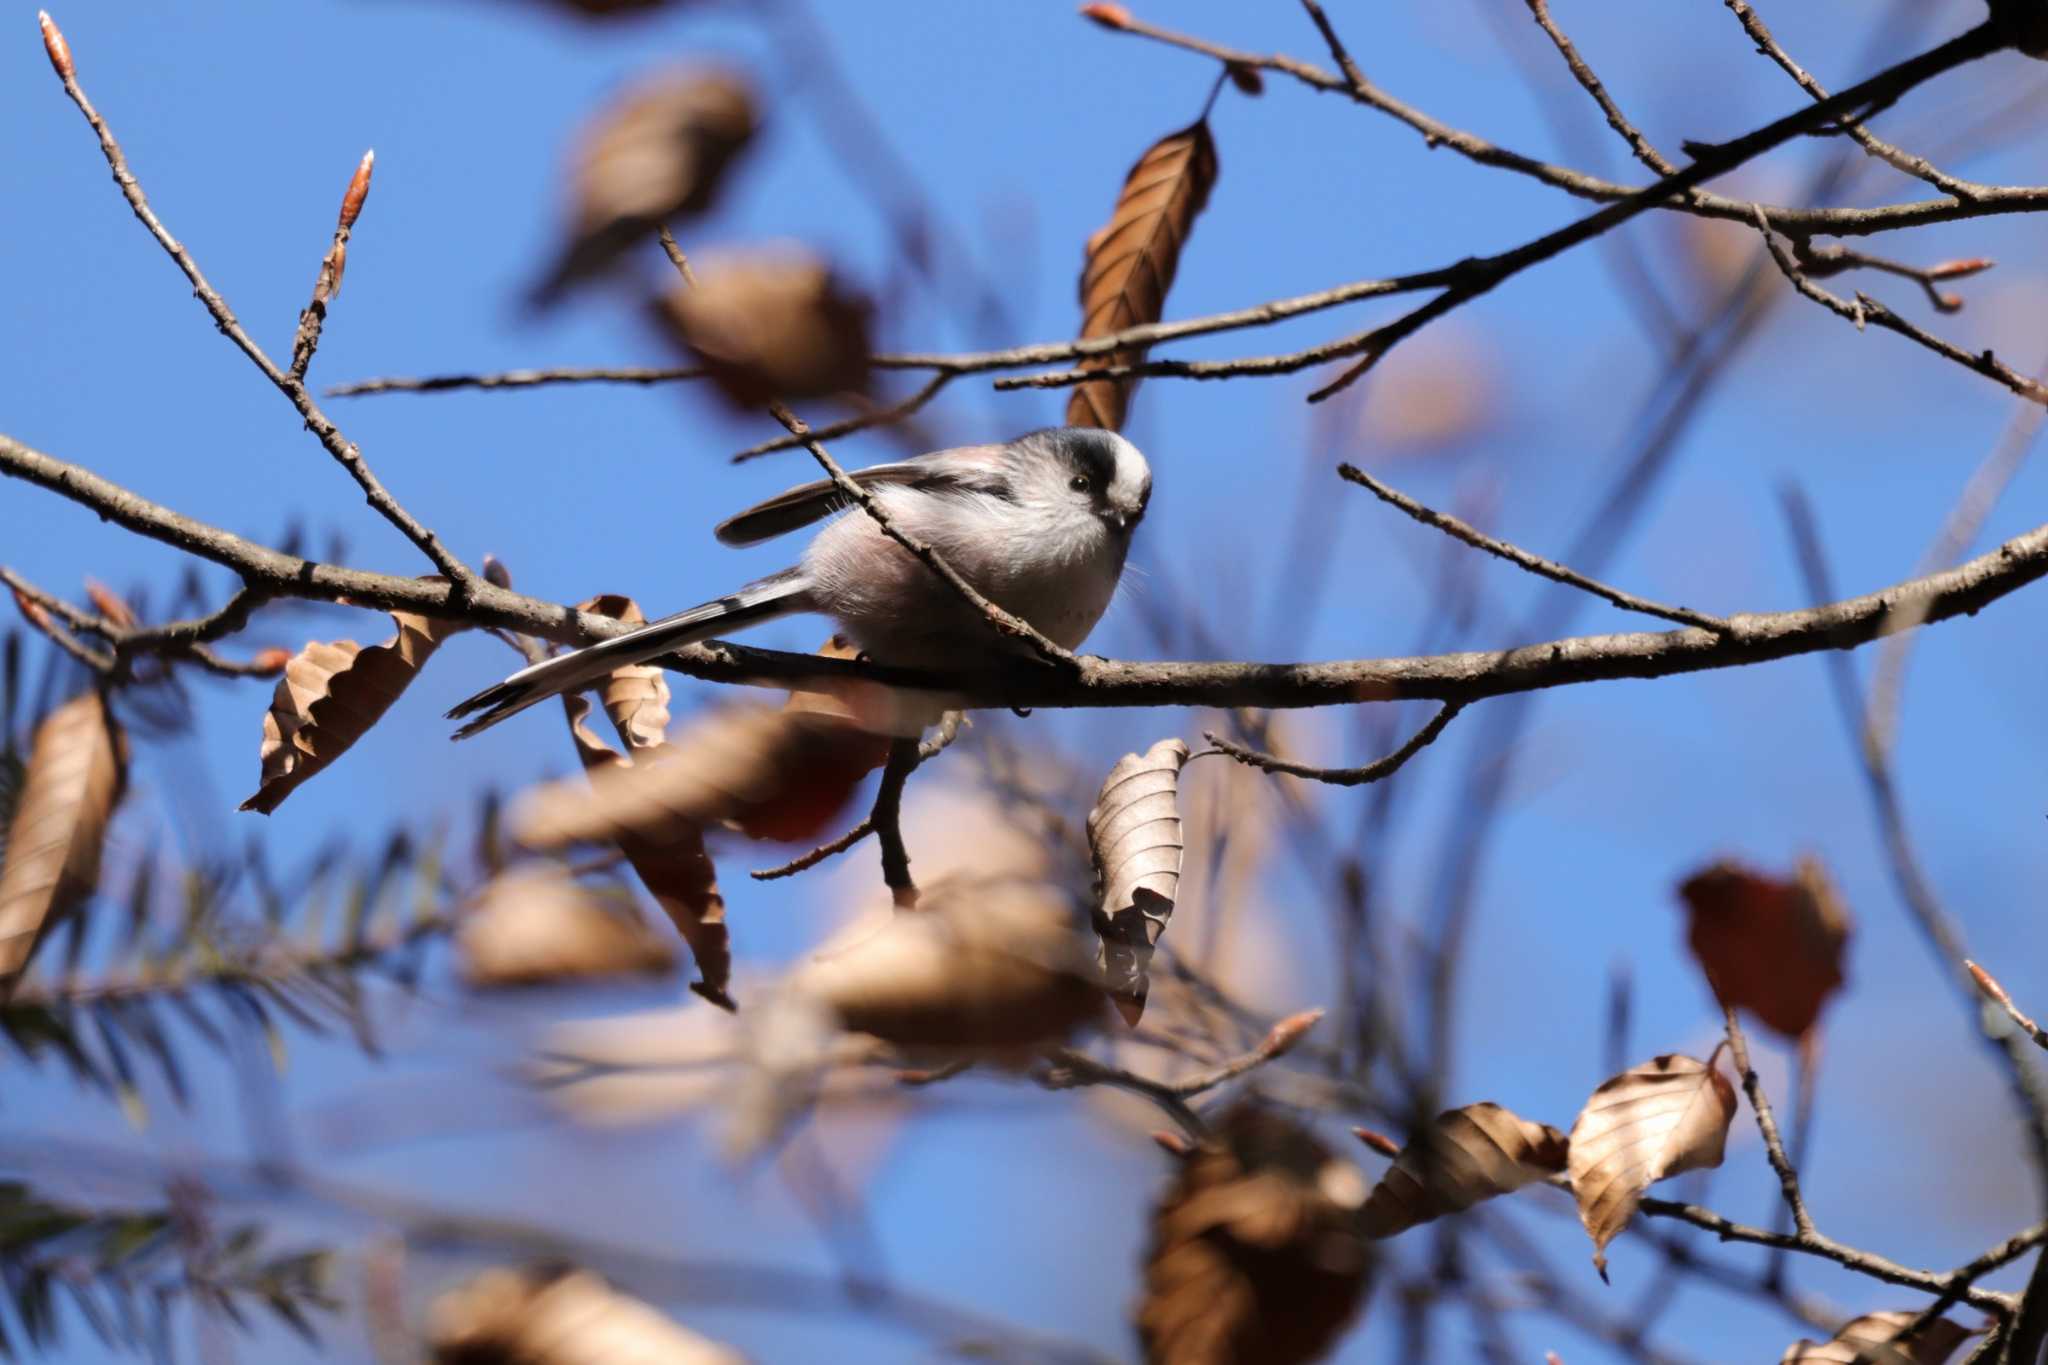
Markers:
{"x": 1079, "y": 483}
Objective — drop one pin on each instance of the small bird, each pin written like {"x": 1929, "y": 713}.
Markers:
{"x": 1039, "y": 525}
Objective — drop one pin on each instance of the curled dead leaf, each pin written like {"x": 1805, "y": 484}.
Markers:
{"x": 77, "y": 767}
{"x": 770, "y": 773}
{"x": 1670, "y": 1114}
{"x": 635, "y": 697}
{"x": 329, "y": 697}
{"x": 1255, "y": 1256}
{"x": 1770, "y": 946}
{"x": 533, "y": 1317}
{"x": 1879, "y": 1339}
{"x": 1130, "y": 262}
{"x": 659, "y": 152}
{"x": 771, "y": 323}
{"x": 670, "y": 860}
{"x": 538, "y": 926}
{"x": 1465, "y": 1156}
{"x": 1134, "y": 832}
{"x": 988, "y": 969}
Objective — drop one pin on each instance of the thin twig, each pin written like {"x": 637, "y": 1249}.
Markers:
{"x": 1767, "y": 1124}
{"x": 949, "y": 729}
{"x": 1895, "y": 157}
{"x": 1344, "y": 777}
{"x": 37, "y": 608}
{"x": 887, "y": 820}
{"x": 1536, "y": 564}
{"x": 328, "y": 283}
{"x": 1828, "y": 1249}
{"x": 515, "y": 379}
{"x": 340, "y": 447}
{"x": 880, "y": 417}
{"x": 1865, "y": 310}
{"x": 1982, "y": 199}
{"x": 1583, "y": 74}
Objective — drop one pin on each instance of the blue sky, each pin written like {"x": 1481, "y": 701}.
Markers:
{"x": 243, "y": 121}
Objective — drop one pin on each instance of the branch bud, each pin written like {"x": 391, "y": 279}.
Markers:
{"x": 109, "y": 603}
{"x": 1955, "y": 270}
{"x": 1986, "y": 982}
{"x": 271, "y": 660}
{"x": 1173, "y": 1144}
{"x": 358, "y": 189}
{"x": 1282, "y": 1037}
{"x": 54, "y": 44}
{"x": 37, "y": 617}
{"x": 1379, "y": 1142}
{"x": 1109, "y": 16}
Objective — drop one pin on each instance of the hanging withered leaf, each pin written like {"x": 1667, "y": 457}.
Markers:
{"x": 988, "y": 969}
{"x": 1670, "y": 1114}
{"x": 330, "y": 696}
{"x": 635, "y": 697}
{"x": 1134, "y": 832}
{"x": 538, "y": 926}
{"x": 770, "y": 323}
{"x": 771, "y": 774}
{"x": 1467, "y": 1155}
{"x": 565, "y": 1317}
{"x": 658, "y": 154}
{"x": 672, "y": 861}
{"x": 77, "y": 767}
{"x": 1880, "y": 1339}
{"x": 1130, "y": 261}
{"x": 1768, "y": 945}
{"x": 1255, "y": 1256}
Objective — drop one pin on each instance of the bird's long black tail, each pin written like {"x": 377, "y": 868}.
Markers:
{"x": 763, "y": 600}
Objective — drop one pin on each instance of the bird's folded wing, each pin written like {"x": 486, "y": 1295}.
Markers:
{"x": 967, "y": 468}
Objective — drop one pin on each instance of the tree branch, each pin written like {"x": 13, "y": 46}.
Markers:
{"x": 1375, "y": 771}
{"x": 340, "y": 447}
{"x": 1467, "y": 676}
{"x": 1536, "y": 564}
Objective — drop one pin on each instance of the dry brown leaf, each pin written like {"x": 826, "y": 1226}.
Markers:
{"x": 658, "y": 153}
{"x": 1130, "y": 261}
{"x": 673, "y": 864}
{"x": 532, "y": 1317}
{"x": 1668, "y": 1115}
{"x": 1134, "y": 832}
{"x": 989, "y": 969}
{"x": 773, "y": 774}
{"x": 77, "y": 767}
{"x": 1874, "y": 1339}
{"x": 329, "y": 697}
{"x": 1255, "y": 1257}
{"x": 878, "y": 708}
{"x": 987, "y": 965}
{"x": 769, "y": 324}
{"x": 1466, "y": 1156}
{"x": 635, "y": 697}
{"x": 1770, "y": 946}
{"x": 538, "y": 926}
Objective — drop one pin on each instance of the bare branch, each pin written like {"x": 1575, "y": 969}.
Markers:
{"x": 515, "y": 379}
{"x": 1767, "y": 1125}
{"x": 1467, "y": 676}
{"x": 1345, "y": 777}
{"x": 1866, "y": 310}
{"x": 1895, "y": 157}
{"x": 1536, "y": 564}
{"x": 340, "y": 447}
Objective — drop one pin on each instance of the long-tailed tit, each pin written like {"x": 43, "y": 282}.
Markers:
{"x": 1038, "y": 525}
